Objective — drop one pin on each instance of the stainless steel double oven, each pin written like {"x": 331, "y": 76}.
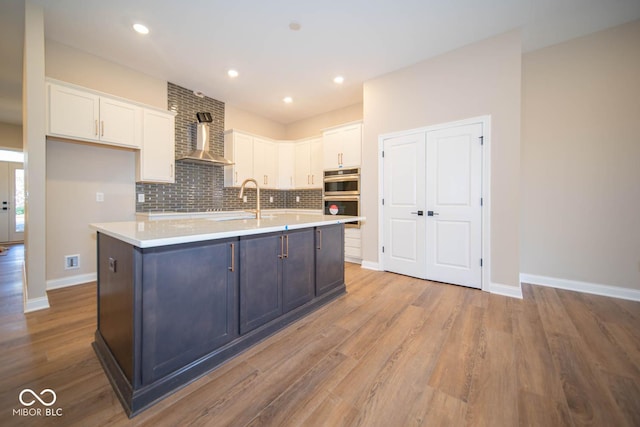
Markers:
{"x": 342, "y": 193}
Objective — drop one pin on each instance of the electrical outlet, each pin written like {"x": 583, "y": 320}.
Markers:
{"x": 141, "y": 198}
{"x": 297, "y": 199}
{"x": 270, "y": 199}
{"x": 244, "y": 199}
{"x": 71, "y": 262}
{"x": 99, "y": 197}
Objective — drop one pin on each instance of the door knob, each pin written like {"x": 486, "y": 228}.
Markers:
{"x": 419, "y": 213}
{"x": 432, "y": 213}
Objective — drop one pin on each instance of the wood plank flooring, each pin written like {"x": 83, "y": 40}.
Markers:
{"x": 394, "y": 351}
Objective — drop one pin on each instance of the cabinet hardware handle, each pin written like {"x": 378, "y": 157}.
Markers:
{"x": 96, "y": 127}
{"x": 171, "y": 171}
{"x": 102, "y": 130}
{"x": 233, "y": 257}
{"x": 312, "y": 180}
{"x": 308, "y": 179}
{"x": 281, "y": 255}
{"x": 338, "y": 159}
{"x": 319, "y": 240}
{"x": 287, "y": 254}
{"x": 291, "y": 181}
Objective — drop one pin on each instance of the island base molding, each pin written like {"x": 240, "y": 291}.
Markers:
{"x": 135, "y": 401}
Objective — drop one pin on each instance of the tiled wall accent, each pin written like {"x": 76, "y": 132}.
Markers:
{"x": 200, "y": 188}
{"x": 282, "y": 199}
{"x": 197, "y": 187}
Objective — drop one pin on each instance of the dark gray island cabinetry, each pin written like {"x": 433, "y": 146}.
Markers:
{"x": 168, "y": 314}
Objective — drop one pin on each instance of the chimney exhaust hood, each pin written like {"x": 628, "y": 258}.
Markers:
{"x": 201, "y": 154}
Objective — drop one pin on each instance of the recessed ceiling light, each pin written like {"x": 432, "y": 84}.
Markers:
{"x": 140, "y": 29}
{"x": 339, "y": 80}
{"x": 287, "y": 100}
{"x": 294, "y": 26}
{"x": 232, "y": 73}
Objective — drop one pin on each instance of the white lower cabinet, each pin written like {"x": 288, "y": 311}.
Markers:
{"x": 156, "y": 158}
{"x": 352, "y": 244}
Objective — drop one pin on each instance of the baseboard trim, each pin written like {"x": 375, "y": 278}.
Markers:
{"x": 64, "y": 282}
{"x": 35, "y": 304}
{"x": 370, "y": 265}
{"x": 578, "y": 286}
{"x": 353, "y": 260}
{"x": 506, "y": 290}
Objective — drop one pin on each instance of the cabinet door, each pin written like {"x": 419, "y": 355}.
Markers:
{"x": 316, "y": 162}
{"x": 238, "y": 148}
{"x": 286, "y": 165}
{"x": 351, "y": 141}
{"x": 156, "y": 160}
{"x": 329, "y": 258}
{"x": 189, "y": 304}
{"x": 265, "y": 162}
{"x": 331, "y": 149}
{"x": 72, "y": 113}
{"x": 298, "y": 276}
{"x": 303, "y": 158}
{"x": 260, "y": 280}
{"x": 120, "y": 123}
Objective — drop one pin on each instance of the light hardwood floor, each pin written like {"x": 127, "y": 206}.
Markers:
{"x": 394, "y": 351}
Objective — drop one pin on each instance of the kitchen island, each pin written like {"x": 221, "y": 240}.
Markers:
{"x": 178, "y": 297}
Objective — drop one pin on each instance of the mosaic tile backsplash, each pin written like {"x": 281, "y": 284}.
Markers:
{"x": 199, "y": 187}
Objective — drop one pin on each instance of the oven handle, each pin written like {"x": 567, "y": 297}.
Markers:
{"x": 342, "y": 178}
{"x": 342, "y": 198}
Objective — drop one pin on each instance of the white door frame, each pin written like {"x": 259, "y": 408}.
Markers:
{"x": 486, "y": 188}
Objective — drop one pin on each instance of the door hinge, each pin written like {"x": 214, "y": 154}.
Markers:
{"x": 383, "y": 249}
{"x": 480, "y": 262}
{"x": 481, "y": 140}
{"x": 382, "y": 202}
{"x": 383, "y": 154}
{"x": 481, "y": 201}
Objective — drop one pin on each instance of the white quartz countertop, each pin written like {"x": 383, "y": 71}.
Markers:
{"x": 150, "y": 233}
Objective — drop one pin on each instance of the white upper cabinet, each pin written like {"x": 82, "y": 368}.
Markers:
{"x": 81, "y": 114}
{"x": 156, "y": 159}
{"x": 238, "y": 147}
{"x": 342, "y": 146}
{"x": 308, "y": 164}
{"x": 286, "y": 165}
{"x": 265, "y": 162}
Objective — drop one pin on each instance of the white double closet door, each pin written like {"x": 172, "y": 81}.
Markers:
{"x": 432, "y": 212}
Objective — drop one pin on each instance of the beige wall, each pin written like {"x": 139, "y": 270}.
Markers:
{"x": 75, "y": 173}
{"x": 480, "y": 79}
{"x": 313, "y": 126}
{"x": 33, "y": 121}
{"x": 78, "y": 67}
{"x": 235, "y": 118}
{"x": 581, "y": 159}
{"x": 10, "y": 136}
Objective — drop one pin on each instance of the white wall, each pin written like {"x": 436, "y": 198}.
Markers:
{"x": 78, "y": 67}
{"x": 235, "y": 118}
{"x": 581, "y": 159}
{"x": 11, "y": 136}
{"x": 75, "y": 173}
{"x": 313, "y": 125}
{"x": 480, "y": 79}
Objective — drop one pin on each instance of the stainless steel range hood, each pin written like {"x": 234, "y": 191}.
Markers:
{"x": 201, "y": 154}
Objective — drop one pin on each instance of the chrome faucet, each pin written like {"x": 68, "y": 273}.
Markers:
{"x": 244, "y": 183}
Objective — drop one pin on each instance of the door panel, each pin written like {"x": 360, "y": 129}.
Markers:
{"x": 17, "y": 198}
{"x": 5, "y": 202}
{"x": 453, "y": 194}
{"x": 404, "y": 230}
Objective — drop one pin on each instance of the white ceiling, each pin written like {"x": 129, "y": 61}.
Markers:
{"x": 192, "y": 43}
